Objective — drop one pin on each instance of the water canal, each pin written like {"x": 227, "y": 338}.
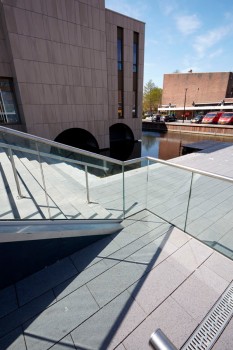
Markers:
{"x": 169, "y": 145}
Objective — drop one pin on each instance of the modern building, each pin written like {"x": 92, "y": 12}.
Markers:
{"x": 189, "y": 93}
{"x": 71, "y": 71}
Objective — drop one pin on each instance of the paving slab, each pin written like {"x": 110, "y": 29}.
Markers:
{"x": 65, "y": 344}
{"x": 22, "y": 314}
{"x": 13, "y": 341}
{"x": 75, "y": 282}
{"x": 59, "y": 320}
{"x": 221, "y": 265}
{"x": 8, "y": 300}
{"x": 201, "y": 290}
{"x": 115, "y": 322}
{"x": 92, "y": 254}
{"x": 114, "y": 281}
{"x": 152, "y": 289}
{"x": 166, "y": 318}
{"x": 45, "y": 279}
{"x": 190, "y": 256}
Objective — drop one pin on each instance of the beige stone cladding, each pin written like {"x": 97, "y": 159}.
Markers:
{"x": 201, "y": 87}
{"x": 59, "y": 59}
{"x": 5, "y": 67}
{"x": 129, "y": 25}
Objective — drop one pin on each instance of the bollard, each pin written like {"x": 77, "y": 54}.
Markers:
{"x": 159, "y": 341}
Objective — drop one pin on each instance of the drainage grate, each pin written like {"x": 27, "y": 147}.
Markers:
{"x": 213, "y": 324}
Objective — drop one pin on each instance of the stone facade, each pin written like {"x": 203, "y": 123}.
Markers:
{"x": 62, "y": 56}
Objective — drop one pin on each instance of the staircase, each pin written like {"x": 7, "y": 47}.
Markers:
{"x": 50, "y": 206}
{"x": 65, "y": 187}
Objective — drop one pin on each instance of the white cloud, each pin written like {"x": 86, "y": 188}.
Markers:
{"x": 204, "y": 42}
{"x": 215, "y": 53}
{"x": 187, "y": 24}
{"x": 166, "y": 8}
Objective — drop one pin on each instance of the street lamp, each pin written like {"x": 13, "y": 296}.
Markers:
{"x": 184, "y": 102}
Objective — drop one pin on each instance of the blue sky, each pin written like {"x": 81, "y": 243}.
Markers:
{"x": 182, "y": 35}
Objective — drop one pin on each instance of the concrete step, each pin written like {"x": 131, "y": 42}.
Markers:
{"x": 66, "y": 196}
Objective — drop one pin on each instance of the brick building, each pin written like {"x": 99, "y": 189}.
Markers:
{"x": 71, "y": 71}
{"x": 197, "y": 92}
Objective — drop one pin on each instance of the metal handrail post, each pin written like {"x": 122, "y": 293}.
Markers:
{"x": 15, "y": 173}
{"x": 3, "y": 108}
{"x": 123, "y": 188}
{"x": 87, "y": 184}
{"x": 43, "y": 180}
{"x": 147, "y": 181}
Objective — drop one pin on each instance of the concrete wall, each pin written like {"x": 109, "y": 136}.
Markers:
{"x": 60, "y": 60}
{"x": 202, "y": 87}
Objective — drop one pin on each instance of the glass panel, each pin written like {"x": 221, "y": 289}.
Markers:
{"x": 120, "y": 48}
{"x": 8, "y": 110}
{"x": 135, "y": 184}
{"x": 55, "y": 187}
{"x": 135, "y": 52}
{"x": 106, "y": 193}
{"x": 119, "y": 54}
{"x": 71, "y": 197}
{"x": 210, "y": 213}
{"x": 22, "y": 194}
{"x": 168, "y": 193}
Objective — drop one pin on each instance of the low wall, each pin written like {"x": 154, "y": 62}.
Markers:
{"x": 222, "y": 130}
{"x": 153, "y": 126}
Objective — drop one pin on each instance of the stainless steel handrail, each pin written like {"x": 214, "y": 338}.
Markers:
{"x": 159, "y": 341}
{"x": 193, "y": 170}
{"x": 58, "y": 145}
{"x": 108, "y": 159}
{"x": 52, "y": 156}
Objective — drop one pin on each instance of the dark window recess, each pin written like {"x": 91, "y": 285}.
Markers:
{"x": 135, "y": 74}
{"x": 120, "y": 67}
{"x": 120, "y": 48}
{"x": 8, "y": 108}
{"x": 120, "y": 104}
{"x": 119, "y": 55}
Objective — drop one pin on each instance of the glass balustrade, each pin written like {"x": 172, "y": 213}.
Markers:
{"x": 135, "y": 186}
{"x": 49, "y": 182}
{"x": 42, "y": 180}
{"x": 210, "y": 213}
{"x": 168, "y": 192}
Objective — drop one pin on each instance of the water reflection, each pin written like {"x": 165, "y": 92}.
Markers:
{"x": 157, "y": 145}
{"x": 169, "y": 145}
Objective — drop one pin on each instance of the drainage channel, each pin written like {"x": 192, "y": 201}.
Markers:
{"x": 213, "y": 324}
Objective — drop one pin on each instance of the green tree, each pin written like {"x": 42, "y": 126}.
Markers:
{"x": 151, "y": 97}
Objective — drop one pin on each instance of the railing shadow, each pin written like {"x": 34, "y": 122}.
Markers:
{"x": 19, "y": 318}
{"x": 135, "y": 291}
{"x": 28, "y": 252}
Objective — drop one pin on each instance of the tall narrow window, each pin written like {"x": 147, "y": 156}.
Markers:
{"x": 135, "y": 75}
{"x": 8, "y": 108}
{"x": 120, "y": 68}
